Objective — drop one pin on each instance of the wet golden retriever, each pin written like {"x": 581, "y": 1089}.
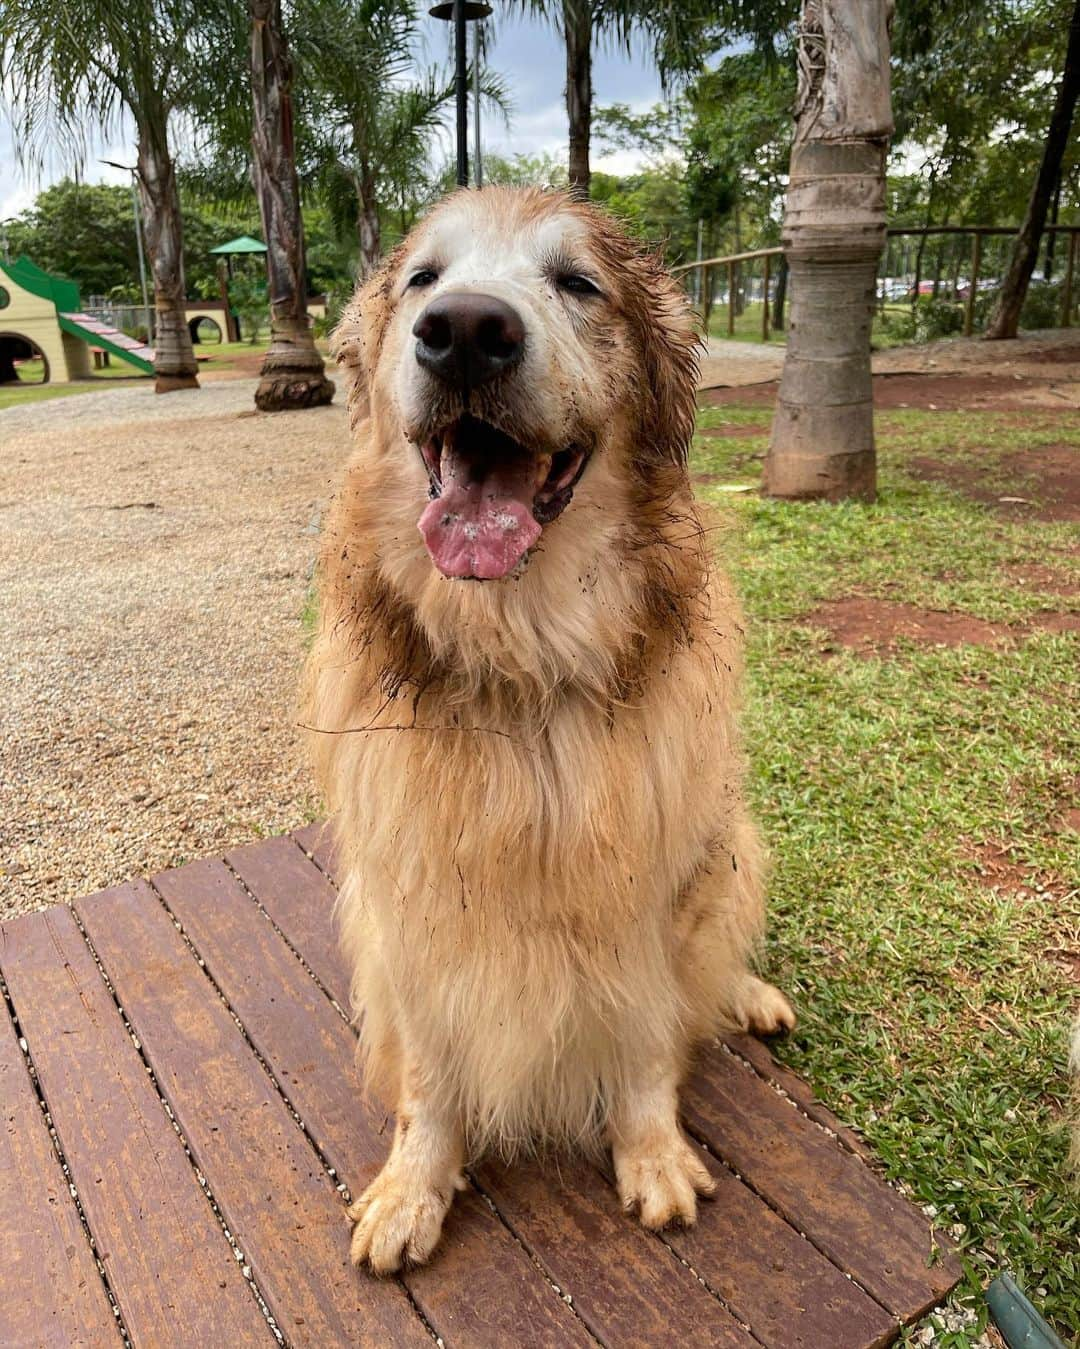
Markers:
{"x": 523, "y": 697}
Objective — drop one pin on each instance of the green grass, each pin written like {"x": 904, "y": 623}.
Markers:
{"x": 747, "y": 324}
{"x": 933, "y": 1016}
{"x": 226, "y": 354}
{"x": 15, "y": 395}
{"x": 30, "y": 389}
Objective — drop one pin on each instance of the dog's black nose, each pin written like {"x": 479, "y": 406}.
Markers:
{"x": 467, "y": 338}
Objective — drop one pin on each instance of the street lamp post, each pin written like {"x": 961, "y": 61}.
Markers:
{"x": 478, "y": 169}
{"x": 138, "y": 240}
{"x": 460, "y": 12}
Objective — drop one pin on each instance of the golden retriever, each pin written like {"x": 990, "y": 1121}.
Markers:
{"x": 522, "y": 704}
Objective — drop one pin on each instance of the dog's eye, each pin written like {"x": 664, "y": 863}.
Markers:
{"x": 425, "y": 277}
{"x": 577, "y": 285}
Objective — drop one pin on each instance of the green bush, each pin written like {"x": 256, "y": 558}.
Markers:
{"x": 325, "y": 324}
{"x": 1042, "y": 305}
{"x": 898, "y": 324}
{"x": 247, "y": 295}
{"x": 937, "y": 318}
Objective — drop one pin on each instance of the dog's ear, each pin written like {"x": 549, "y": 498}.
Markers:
{"x": 358, "y": 337}
{"x": 666, "y": 331}
{"x": 670, "y": 343}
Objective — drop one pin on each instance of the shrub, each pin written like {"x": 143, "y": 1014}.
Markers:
{"x": 937, "y": 318}
{"x": 248, "y": 298}
{"x": 325, "y": 324}
{"x": 1042, "y": 305}
{"x": 898, "y": 324}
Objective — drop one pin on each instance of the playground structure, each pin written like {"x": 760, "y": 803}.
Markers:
{"x": 244, "y": 246}
{"x": 41, "y": 315}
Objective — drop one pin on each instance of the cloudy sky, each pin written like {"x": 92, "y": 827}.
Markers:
{"x": 526, "y": 53}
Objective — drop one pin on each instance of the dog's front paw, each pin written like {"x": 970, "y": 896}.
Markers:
{"x": 661, "y": 1180}
{"x": 398, "y": 1219}
{"x": 763, "y": 1010}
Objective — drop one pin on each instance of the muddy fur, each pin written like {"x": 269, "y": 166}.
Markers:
{"x": 552, "y": 888}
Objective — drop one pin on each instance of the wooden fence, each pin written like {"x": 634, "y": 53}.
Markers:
{"x": 733, "y": 262}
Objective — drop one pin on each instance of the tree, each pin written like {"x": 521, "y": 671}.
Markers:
{"x": 834, "y": 229}
{"x": 1006, "y": 317}
{"x": 373, "y": 127}
{"x": 679, "y": 32}
{"x": 67, "y": 63}
{"x": 293, "y": 374}
{"x": 83, "y": 232}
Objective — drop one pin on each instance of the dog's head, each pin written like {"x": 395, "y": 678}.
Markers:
{"x": 512, "y": 344}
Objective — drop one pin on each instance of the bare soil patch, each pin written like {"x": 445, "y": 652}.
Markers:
{"x": 995, "y": 868}
{"x": 871, "y": 626}
{"x": 1042, "y": 483}
{"x": 977, "y": 392}
{"x": 931, "y": 392}
{"x": 752, "y": 395}
{"x": 729, "y": 430}
{"x": 1038, "y": 576}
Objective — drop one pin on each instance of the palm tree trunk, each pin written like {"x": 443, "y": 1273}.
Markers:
{"x": 293, "y": 374}
{"x": 1006, "y": 317}
{"x": 174, "y": 357}
{"x": 367, "y": 225}
{"x": 577, "y": 31}
{"x": 834, "y": 231}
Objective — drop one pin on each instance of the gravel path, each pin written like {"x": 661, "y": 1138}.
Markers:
{"x": 155, "y": 556}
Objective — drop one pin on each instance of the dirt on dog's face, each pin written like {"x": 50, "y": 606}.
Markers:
{"x": 504, "y": 342}
{"x": 494, "y": 343}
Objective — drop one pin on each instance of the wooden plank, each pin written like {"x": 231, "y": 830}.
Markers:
{"x": 310, "y": 1050}
{"x": 863, "y": 1226}
{"x": 625, "y": 1286}
{"x": 299, "y": 898}
{"x": 50, "y": 1290}
{"x": 483, "y": 1291}
{"x": 772, "y": 1278}
{"x": 309, "y": 1047}
{"x": 277, "y": 1199}
{"x": 317, "y": 840}
{"x": 818, "y": 1272}
{"x": 158, "y": 1239}
{"x": 759, "y": 1056}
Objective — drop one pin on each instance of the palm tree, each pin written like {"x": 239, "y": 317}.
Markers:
{"x": 678, "y": 31}
{"x": 293, "y": 374}
{"x": 64, "y": 64}
{"x": 834, "y": 231}
{"x": 358, "y": 55}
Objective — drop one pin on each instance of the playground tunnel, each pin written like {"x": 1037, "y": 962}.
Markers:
{"x": 21, "y": 360}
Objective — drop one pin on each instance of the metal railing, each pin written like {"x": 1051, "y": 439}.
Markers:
{"x": 901, "y": 275}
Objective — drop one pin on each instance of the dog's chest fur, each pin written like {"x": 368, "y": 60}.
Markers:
{"x": 511, "y": 889}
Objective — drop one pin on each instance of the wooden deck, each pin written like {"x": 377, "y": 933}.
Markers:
{"x": 181, "y": 1119}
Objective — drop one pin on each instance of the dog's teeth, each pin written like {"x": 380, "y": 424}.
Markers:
{"x": 543, "y": 468}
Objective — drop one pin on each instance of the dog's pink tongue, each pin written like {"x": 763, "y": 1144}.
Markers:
{"x": 481, "y": 526}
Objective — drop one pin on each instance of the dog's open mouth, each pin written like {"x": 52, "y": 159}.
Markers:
{"x": 491, "y": 497}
